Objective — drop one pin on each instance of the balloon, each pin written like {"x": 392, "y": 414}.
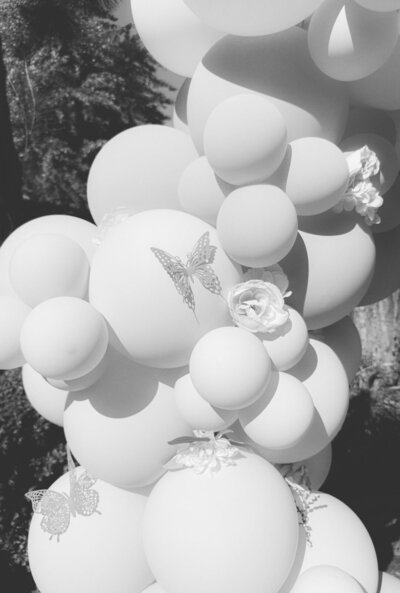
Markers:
{"x": 315, "y": 469}
{"x": 364, "y": 120}
{"x": 345, "y": 341}
{"x": 323, "y": 375}
{"x": 330, "y": 267}
{"x": 78, "y": 230}
{"x": 64, "y": 338}
{"x": 254, "y": 17}
{"x": 230, "y": 368}
{"x": 317, "y": 176}
{"x": 257, "y": 225}
{"x": 245, "y": 139}
{"x": 385, "y": 280}
{"x": 119, "y": 427}
{"x": 277, "y": 67}
{"x": 81, "y": 382}
{"x": 386, "y": 153}
{"x": 281, "y": 416}
{"x": 380, "y": 89}
{"x": 174, "y": 36}
{"x": 340, "y": 539}
{"x": 49, "y": 265}
{"x": 143, "y": 304}
{"x": 97, "y": 553}
{"x": 380, "y": 5}
{"x": 244, "y": 511}
{"x": 48, "y": 401}
{"x": 200, "y": 191}
{"x": 348, "y": 42}
{"x": 389, "y": 583}
{"x": 389, "y": 212}
{"x": 287, "y": 346}
{"x": 179, "y": 116}
{"x": 196, "y": 411}
{"x": 328, "y": 579}
{"x": 13, "y": 313}
{"x": 139, "y": 169}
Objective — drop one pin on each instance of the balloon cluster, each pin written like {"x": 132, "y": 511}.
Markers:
{"x": 195, "y": 343}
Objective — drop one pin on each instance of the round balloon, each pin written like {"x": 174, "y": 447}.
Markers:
{"x": 329, "y": 247}
{"x": 48, "y": 401}
{"x": 173, "y": 34}
{"x": 366, "y": 120}
{"x": 348, "y": 42}
{"x": 311, "y": 472}
{"x": 345, "y": 341}
{"x": 254, "y": 17}
{"x": 389, "y": 583}
{"x": 245, "y": 139}
{"x": 380, "y": 5}
{"x": 384, "y": 281}
{"x": 287, "y": 346}
{"x": 389, "y": 212}
{"x": 257, "y": 225}
{"x": 278, "y": 67}
{"x": 245, "y": 509}
{"x": 380, "y": 89}
{"x": 386, "y": 153}
{"x": 317, "y": 176}
{"x": 74, "y": 228}
{"x": 281, "y": 416}
{"x": 85, "y": 380}
{"x": 13, "y": 313}
{"x": 49, "y": 265}
{"x": 328, "y": 579}
{"x": 324, "y": 377}
{"x": 179, "y": 116}
{"x": 201, "y": 192}
{"x": 159, "y": 300}
{"x": 119, "y": 427}
{"x": 196, "y": 411}
{"x": 139, "y": 169}
{"x": 230, "y": 368}
{"x": 104, "y": 547}
{"x": 64, "y": 338}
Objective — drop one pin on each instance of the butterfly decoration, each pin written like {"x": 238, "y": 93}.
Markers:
{"x": 198, "y": 265}
{"x": 58, "y": 507}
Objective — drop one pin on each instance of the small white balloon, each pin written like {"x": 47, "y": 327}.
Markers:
{"x": 196, "y": 411}
{"x": 348, "y": 42}
{"x": 311, "y": 472}
{"x": 64, "y": 338}
{"x": 173, "y": 34}
{"x": 281, "y": 416}
{"x": 389, "y": 583}
{"x": 230, "y": 368}
{"x": 245, "y": 139}
{"x": 287, "y": 346}
{"x": 328, "y": 579}
{"x": 47, "y": 400}
{"x": 13, "y": 313}
{"x": 49, "y": 265}
{"x": 179, "y": 116}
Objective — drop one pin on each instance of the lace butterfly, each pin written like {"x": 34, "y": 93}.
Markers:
{"x": 198, "y": 265}
{"x": 58, "y": 507}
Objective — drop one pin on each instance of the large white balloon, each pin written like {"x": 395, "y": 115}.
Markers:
{"x": 389, "y": 583}
{"x": 49, "y": 265}
{"x": 281, "y": 416}
{"x": 245, "y": 139}
{"x": 253, "y": 17}
{"x": 139, "y": 287}
{"x": 278, "y": 67}
{"x": 233, "y": 531}
{"x": 380, "y": 5}
{"x": 64, "y": 338}
{"x": 348, "y": 42}
{"x": 173, "y": 34}
{"x": 119, "y": 427}
{"x": 328, "y": 579}
{"x": 139, "y": 169}
{"x": 13, "y": 313}
{"x": 74, "y": 228}
{"x": 47, "y": 400}
{"x": 99, "y": 553}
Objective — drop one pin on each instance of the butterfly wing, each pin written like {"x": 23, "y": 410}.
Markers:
{"x": 178, "y": 274}
{"x": 209, "y": 279}
{"x": 54, "y": 506}
{"x": 84, "y": 499}
{"x": 203, "y": 252}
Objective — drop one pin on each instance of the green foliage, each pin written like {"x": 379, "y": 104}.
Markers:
{"x": 75, "y": 80}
